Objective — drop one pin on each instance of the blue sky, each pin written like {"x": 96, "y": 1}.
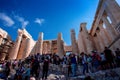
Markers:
{"x": 47, "y": 16}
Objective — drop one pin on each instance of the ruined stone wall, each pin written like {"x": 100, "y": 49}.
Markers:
{"x": 3, "y": 34}
{"x": 23, "y": 45}
{"x": 84, "y": 40}
{"x": 105, "y": 25}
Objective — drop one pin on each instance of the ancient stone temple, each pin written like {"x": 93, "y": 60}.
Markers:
{"x": 105, "y": 31}
{"x": 23, "y": 45}
{"x": 84, "y": 40}
{"x": 5, "y": 44}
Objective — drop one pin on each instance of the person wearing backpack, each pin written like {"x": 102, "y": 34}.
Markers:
{"x": 84, "y": 63}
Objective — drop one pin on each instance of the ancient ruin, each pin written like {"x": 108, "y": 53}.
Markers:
{"x": 105, "y": 31}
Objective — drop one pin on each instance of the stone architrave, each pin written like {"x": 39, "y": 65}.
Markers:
{"x": 14, "y": 53}
{"x": 60, "y": 46}
{"x": 74, "y": 42}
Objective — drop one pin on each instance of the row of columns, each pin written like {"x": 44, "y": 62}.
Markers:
{"x": 105, "y": 36}
{"x": 22, "y": 46}
{"x": 14, "y": 53}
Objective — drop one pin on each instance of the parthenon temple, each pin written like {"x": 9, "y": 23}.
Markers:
{"x": 105, "y": 31}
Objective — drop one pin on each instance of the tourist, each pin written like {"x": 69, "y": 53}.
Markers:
{"x": 109, "y": 57}
{"x": 64, "y": 63}
{"x": 12, "y": 73}
{"x": 26, "y": 74}
{"x": 19, "y": 72}
{"x": 69, "y": 65}
{"x": 73, "y": 64}
{"x": 89, "y": 62}
{"x": 57, "y": 62}
{"x": 35, "y": 68}
{"x": 103, "y": 61}
{"x": 7, "y": 69}
{"x": 117, "y": 52}
{"x": 84, "y": 62}
{"x": 95, "y": 60}
{"x": 45, "y": 68}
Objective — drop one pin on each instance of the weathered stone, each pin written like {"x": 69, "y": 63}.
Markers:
{"x": 60, "y": 46}
{"x": 74, "y": 42}
{"x": 99, "y": 36}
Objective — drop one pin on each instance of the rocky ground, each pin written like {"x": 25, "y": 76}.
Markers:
{"x": 111, "y": 74}
{"x": 57, "y": 74}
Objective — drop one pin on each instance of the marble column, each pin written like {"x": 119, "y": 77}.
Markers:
{"x": 100, "y": 42}
{"x": 2, "y": 56}
{"x": 60, "y": 46}
{"x": 105, "y": 38}
{"x": 27, "y": 49}
{"x": 1, "y": 39}
{"x": 109, "y": 28}
{"x": 97, "y": 45}
{"x": 50, "y": 47}
{"x": 111, "y": 32}
{"x": 74, "y": 42}
{"x": 13, "y": 54}
{"x": 40, "y": 42}
{"x": 80, "y": 43}
{"x": 86, "y": 39}
{"x": 4, "y": 52}
{"x": 22, "y": 48}
{"x": 113, "y": 11}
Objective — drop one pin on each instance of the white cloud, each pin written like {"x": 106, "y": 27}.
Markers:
{"x": 39, "y": 21}
{"x": 24, "y": 24}
{"x": 22, "y": 20}
{"x": 7, "y": 20}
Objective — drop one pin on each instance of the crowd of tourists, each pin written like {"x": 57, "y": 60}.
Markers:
{"x": 31, "y": 67}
